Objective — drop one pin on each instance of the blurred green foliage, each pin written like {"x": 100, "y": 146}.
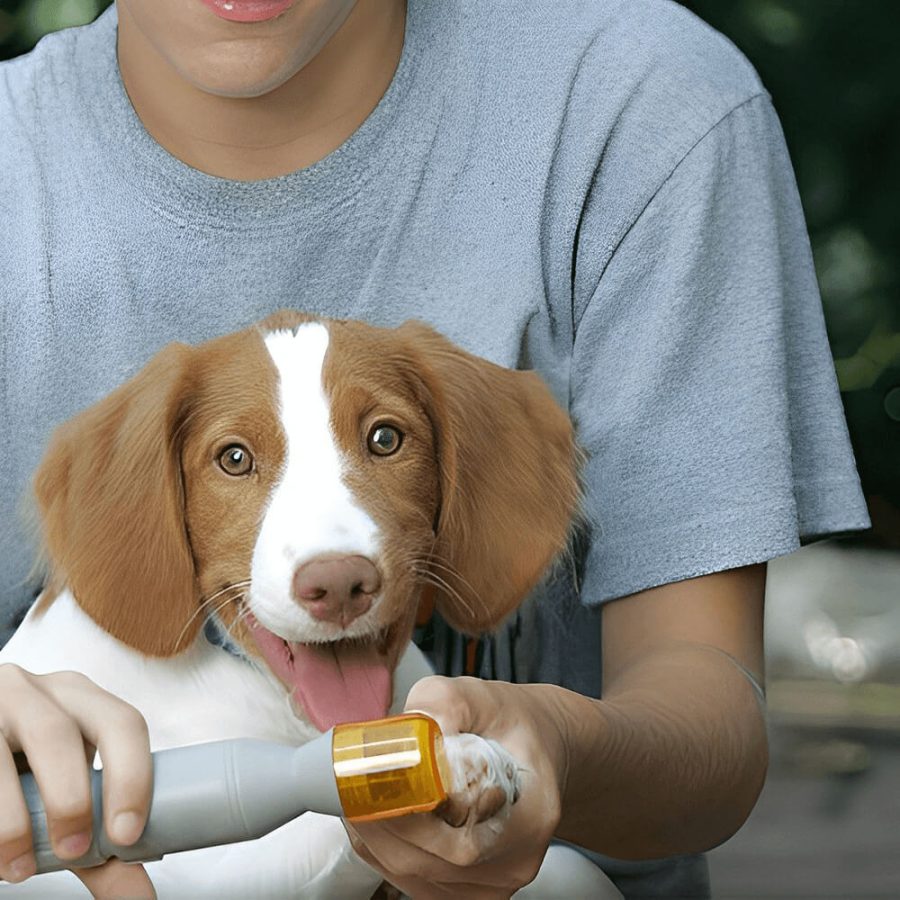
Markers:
{"x": 24, "y": 22}
{"x": 833, "y": 70}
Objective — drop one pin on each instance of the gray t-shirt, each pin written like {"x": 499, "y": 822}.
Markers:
{"x": 597, "y": 190}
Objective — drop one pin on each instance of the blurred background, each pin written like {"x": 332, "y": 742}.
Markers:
{"x": 828, "y": 823}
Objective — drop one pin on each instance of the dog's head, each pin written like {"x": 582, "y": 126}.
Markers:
{"x": 306, "y": 481}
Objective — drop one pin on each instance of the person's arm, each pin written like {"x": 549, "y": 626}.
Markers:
{"x": 679, "y": 740}
{"x": 670, "y": 761}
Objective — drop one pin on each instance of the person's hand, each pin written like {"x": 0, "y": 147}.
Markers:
{"x": 53, "y": 723}
{"x": 477, "y": 858}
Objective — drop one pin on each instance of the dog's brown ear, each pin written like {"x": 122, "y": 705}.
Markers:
{"x": 509, "y": 481}
{"x": 110, "y": 498}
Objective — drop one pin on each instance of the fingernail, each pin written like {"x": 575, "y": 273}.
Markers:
{"x": 74, "y": 845}
{"x": 126, "y": 827}
{"x": 22, "y": 867}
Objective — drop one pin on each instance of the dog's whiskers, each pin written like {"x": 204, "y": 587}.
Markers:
{"x": 238, "y": 619}
{"x": 204, "y": 605}
{"x": 423, "y": 567}
{"x": 228, "y": 587}
{"x": 450, "y": 570}
{"x": 434, "y": 579}
{"x": 426, "y": 565}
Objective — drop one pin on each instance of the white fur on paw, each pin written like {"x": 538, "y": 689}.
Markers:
{"x": 485, "y": 782}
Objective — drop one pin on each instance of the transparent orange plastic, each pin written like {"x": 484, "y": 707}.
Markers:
{"x": 389, "y": 767}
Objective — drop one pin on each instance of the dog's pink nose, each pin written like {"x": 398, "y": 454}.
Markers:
{"x": 336, "y": 590}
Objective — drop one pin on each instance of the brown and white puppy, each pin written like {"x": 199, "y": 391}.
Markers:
{"x": 305, "y": 482}
{"x": 312, "y": 477}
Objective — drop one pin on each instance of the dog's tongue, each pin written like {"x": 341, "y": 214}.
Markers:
{"x": 346, "y": 681}
{"x": 343, "y": 682}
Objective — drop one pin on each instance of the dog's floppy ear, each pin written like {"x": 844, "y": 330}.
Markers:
{"x": 110, "y": 499}
{"x": 509, "y": 482}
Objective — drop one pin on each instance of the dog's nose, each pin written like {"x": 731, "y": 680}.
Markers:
{"x": 336, "y": 590}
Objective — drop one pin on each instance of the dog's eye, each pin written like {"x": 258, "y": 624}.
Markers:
{"x": 384, "y": 440}
{"x": 236, "y": 460}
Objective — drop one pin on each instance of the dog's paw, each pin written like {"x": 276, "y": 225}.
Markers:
{"x": 485, "y": 781}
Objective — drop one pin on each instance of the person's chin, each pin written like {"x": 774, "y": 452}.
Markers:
{"x": 241, "y": 74}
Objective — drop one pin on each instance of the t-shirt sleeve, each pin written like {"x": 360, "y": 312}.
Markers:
{"x": 703, "y": 389}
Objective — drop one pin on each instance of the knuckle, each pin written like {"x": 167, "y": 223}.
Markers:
{"x": 468, "y": 686}
{"x": 468, "y": 681}
{"x": 433, "y": 688}
{"x": 448, "y": 695}
{"x": 13, "y": 677}
{"x": 126, "y": 717}
{"x": 464, "y": 854}
{"x": 70, "y": 680}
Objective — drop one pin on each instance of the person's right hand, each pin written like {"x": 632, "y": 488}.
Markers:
{"x": 55, "y": 722}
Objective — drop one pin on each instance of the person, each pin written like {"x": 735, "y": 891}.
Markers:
{"x": 601, "y": 193}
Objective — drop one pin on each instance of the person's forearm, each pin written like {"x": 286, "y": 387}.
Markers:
{"x": 670, "y": 761}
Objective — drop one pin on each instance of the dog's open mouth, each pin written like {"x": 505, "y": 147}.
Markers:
{"x": 341, "y": 681}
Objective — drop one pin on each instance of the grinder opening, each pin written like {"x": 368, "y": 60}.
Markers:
{"x": 389, "y": 767}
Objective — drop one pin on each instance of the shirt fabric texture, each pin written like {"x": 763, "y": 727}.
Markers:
{"x": 596, "y": 190}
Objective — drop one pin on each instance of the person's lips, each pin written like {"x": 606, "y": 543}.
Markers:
{"x": 247, "y": 10}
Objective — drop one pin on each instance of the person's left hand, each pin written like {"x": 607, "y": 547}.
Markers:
{"x": 426, "y": 856}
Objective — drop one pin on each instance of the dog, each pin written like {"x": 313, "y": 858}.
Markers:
{"x": 305, "y": 485}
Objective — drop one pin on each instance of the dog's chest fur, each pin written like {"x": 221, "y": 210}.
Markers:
{"x": 203, "y": 694}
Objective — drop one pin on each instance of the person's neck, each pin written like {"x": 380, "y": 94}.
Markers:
{"x": 286, "y": 129}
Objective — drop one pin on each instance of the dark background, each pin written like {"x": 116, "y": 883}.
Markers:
{"x": 827, "y": 824}
{"x": 833, "y": 70}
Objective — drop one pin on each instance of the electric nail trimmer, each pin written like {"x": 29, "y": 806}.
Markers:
{"x": 238, "y": 790}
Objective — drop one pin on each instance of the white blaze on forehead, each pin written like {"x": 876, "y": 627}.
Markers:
{"x": 311, "y": 511}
